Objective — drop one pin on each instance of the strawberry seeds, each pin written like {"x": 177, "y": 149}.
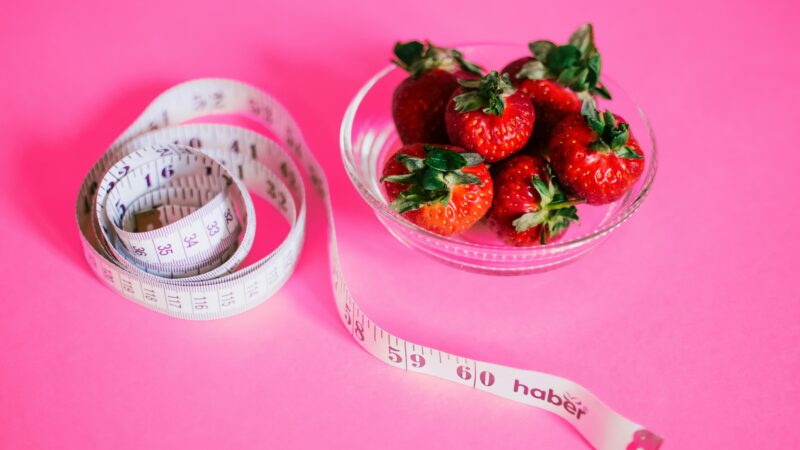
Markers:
{"x": 536, "y": 122}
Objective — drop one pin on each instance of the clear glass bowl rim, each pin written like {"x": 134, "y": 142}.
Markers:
{"x": 345, "y": 137}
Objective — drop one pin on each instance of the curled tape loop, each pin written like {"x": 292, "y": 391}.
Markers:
{"x": 191, "y": 183}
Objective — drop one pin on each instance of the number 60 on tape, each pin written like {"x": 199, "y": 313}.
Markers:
{"x": 166, "y": 218}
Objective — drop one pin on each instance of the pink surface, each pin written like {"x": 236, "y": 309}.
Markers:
{"x": 686, "y": 320}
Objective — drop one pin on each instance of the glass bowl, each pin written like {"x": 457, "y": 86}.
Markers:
{"x": 368, "y": 138}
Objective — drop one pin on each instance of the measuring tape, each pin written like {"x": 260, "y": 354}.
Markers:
{"x": 166, "y": 218}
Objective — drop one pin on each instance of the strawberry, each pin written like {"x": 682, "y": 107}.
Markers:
{"x": 529, "y": 206}
{"x": 489, "y": 117}
{"x": 441, "y": 188}
{"x": 556, "y": 76}
{"x": 418, "y": 101}
{"x": 595, "y": 156}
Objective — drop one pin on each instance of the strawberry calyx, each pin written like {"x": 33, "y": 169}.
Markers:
{"x": 433, "y": 177}
{"x": 555, "y": 212}
{"x": 612, "y": 136}
{"x": 576, "y": 64}
{"x": 417, "y": 58}
{"x": 488, "y": 94}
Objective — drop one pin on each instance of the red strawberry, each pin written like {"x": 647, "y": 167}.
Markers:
{"x": 556, "y": 75}
{"x": 439, "y": 187}
{"x": 529, "y": 207}
{"x": 551, "y": 101}
{"x": 489, "y": 117}
{"x": 595, "y": 156}
{"x": 418, "y": 102}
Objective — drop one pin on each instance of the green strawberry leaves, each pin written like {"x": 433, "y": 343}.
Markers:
{"x": 593, "y": 117}
{"x": 562, "y": 58}
{"x": 619, "y": 136}
{"x": 546, "y": 191}
{"x": 628, "y": 153}
{"x": 541, "y": 49}
{"x": 458, "y": 177}
{"x": 432, "y": 180}
{"x": 433, "y": 177}
{"x": 465, "y": 64}
{"x": 487, "y": 94}
{"x": 536, "y": 69}
{"x": 558, "y": 222}
{"x": 408, "y": 53}
{"x": 406, "y": 178}
{"x": 411, "y": 163}
{"x": 529, "y": 220}
{"x": 413, "y": 199}
{"x": 576, "y": 64}
{"x": 443, "y": 160}
{"x": 612, "y": 136}
{"x": 555, "y": 212}
{"x": 583, "y": 39}
{"x": 417, "y": 58}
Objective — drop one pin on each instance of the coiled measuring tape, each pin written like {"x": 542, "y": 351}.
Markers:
{"x": 166, "y": 218}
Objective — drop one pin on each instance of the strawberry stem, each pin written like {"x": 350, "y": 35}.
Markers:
{"x": 555, "y": 212}
{"x": 564, "y": 204}
{"x": 488, "y": 93}
{"x": 575, "y": 64}
{"x": 612, "y": 137}
{"x": 417, "y": 58}
{"x": 431, "y": 179}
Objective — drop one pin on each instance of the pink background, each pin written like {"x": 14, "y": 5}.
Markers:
{"x": 686, "y": 320}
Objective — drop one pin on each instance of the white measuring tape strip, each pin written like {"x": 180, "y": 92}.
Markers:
{"x": 197, "y": 178}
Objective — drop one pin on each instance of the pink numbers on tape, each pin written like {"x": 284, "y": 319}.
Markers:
{"x": 188, "y": 268}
